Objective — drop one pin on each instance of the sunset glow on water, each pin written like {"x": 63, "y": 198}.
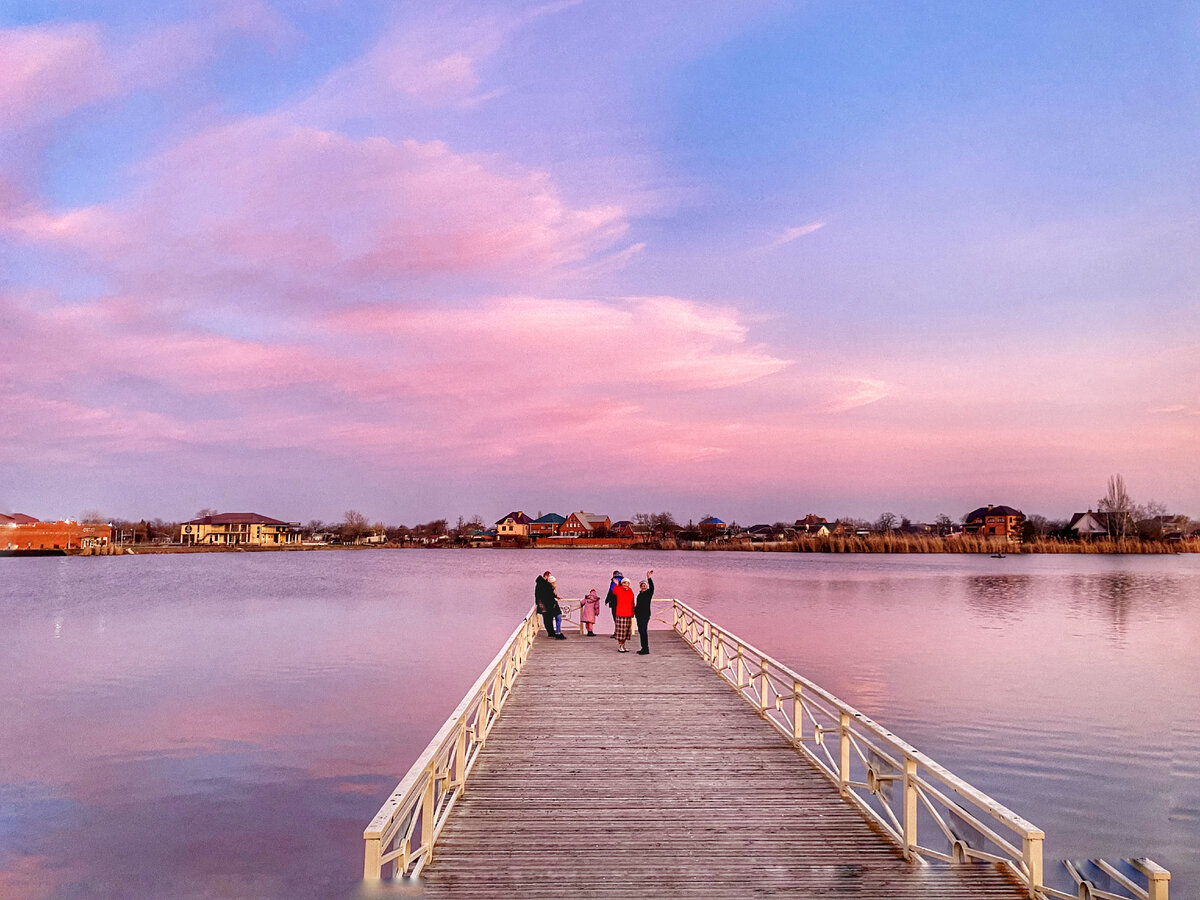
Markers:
{"x": 226, "y": 725}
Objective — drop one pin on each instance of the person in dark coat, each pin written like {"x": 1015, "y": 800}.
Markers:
{"x": 544, "y": 595}
{"x": 641, "y": 612}
{"x": 611, "y": 600}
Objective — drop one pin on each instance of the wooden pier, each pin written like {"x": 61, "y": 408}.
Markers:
{"x": 702, "y": 770}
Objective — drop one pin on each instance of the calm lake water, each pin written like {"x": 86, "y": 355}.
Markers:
{"x": 225, "y": 725}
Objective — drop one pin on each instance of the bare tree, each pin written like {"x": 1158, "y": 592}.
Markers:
{"x": 1150, "y": 518}
{"x": 1118, "y": 507}
{"x": 664, "y": 523}
{"x": 206, "y": 512}
{"x": 944, "y": 524}
{"x": 92, "y": 517}
{"x": 354, "y": 526}
{"x": 886, "y": 522}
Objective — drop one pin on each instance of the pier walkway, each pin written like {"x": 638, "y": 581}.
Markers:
{"x": 702, "y": 770}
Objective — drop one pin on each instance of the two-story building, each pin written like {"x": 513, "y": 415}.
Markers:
{"x": 239, "y": 530}
{"x": 585, "y": 524}
{"x": 514, "y": 525}
{"x": 546, "y": 526}
{"x": 995, "y": 522}
{"x": 23, "y": 532}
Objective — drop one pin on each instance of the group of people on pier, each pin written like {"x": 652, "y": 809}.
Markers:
{"x": 624, "y": 606}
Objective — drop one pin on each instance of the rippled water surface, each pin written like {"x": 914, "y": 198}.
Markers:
{"x": 225, "y": 725}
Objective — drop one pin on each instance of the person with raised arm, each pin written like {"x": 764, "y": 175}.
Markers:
{"x": 641, "y": 611}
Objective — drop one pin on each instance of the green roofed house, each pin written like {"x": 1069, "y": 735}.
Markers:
{"x": 546, "y": 525}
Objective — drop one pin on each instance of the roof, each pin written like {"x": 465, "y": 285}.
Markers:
{"x": 516, "y": 515}
{"x": 18, "y": 519}
{"x": 1100, "y": 518}
{"x": 237, "y": 519}
{"x": 761, "y": 529}
{"x": 711, "y": 520}
{"x": 992, "y": 511}
{"x": 550, "y": 519}
{"x": 621, "y": 524}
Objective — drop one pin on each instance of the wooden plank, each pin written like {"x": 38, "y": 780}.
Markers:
{"x": 619, "y": 775}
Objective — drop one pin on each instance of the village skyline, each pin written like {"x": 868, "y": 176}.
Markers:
{"x": 299, "y": 257}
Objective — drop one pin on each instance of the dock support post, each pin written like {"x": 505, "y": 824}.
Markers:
{"x": 844, "y": 753}
{"x": 910, "y": 806}
{"x": 1032, "y": 851}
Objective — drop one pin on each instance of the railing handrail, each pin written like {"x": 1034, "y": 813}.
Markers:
{"x": 417, "y": 786}
{"x": 999, "y": 810}
{"x": 856, "y": 731}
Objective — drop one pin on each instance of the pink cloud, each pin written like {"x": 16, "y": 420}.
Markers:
{"x": 266, "y": 199}
{"x": 52, "y": 70}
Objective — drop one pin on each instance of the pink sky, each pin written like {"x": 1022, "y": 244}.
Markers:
{"x": 463, "y": 263}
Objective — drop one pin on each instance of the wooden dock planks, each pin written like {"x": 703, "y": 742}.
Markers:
{"x": 618, "y": 775}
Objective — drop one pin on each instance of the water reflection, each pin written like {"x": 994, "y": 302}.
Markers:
{"x": 1000, "y": 597}
{"x": 226, "y": 725}
{"x": 1121, "y": 595}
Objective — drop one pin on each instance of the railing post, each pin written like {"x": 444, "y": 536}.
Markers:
{"x": 797, "y": 713}
{"x": 844, "y": 753}
{"x": 762, "y": 686}
{"x": 1032, "y": 851}
{"x": 719, "y": 662}
{"x": 706, "y": 642}
{"x": 910, "y": 806}
{"x": 741, "y": 667}
{"x": 427, "y": 815}
{"x": 372, "y": 867}
{"x": 1157, "y": 884}
{"x": 460, "y": 758}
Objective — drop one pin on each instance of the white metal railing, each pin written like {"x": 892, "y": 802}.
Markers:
{"x": 931, "y": 813}
{"x": 407, "y": 826}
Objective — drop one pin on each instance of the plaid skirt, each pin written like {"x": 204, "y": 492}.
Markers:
{"x": 624, "y": 627}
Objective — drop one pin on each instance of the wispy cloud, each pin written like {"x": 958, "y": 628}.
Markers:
{"x": 790, "y": 235}
{"x": 865, "y": 392}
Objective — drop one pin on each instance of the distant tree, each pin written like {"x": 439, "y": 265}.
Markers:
{"x": 314, "y": 526}
{"x": 92, "y": 517}
{"x": 354, "y": 526}
{"x": 1118, "y": 506}
{"x": 886, "y": 522}
{"x": 1149, "y": 520}
{"x": 206, "y": 512}
{"x": 905, "y": 523}
{"x": 664, "y": 523}
{"x": 943, "y": 524}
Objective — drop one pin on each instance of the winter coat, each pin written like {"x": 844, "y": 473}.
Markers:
{"x": 611, "y": 600}
{"x": 590, "y": 608}
{"x": 642, "y": 610}
{"x": 624, "y": 596}
{"x": 543, "y": 595}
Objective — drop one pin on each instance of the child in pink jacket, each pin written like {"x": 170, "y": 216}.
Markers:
{"x": 589, "y": 610}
